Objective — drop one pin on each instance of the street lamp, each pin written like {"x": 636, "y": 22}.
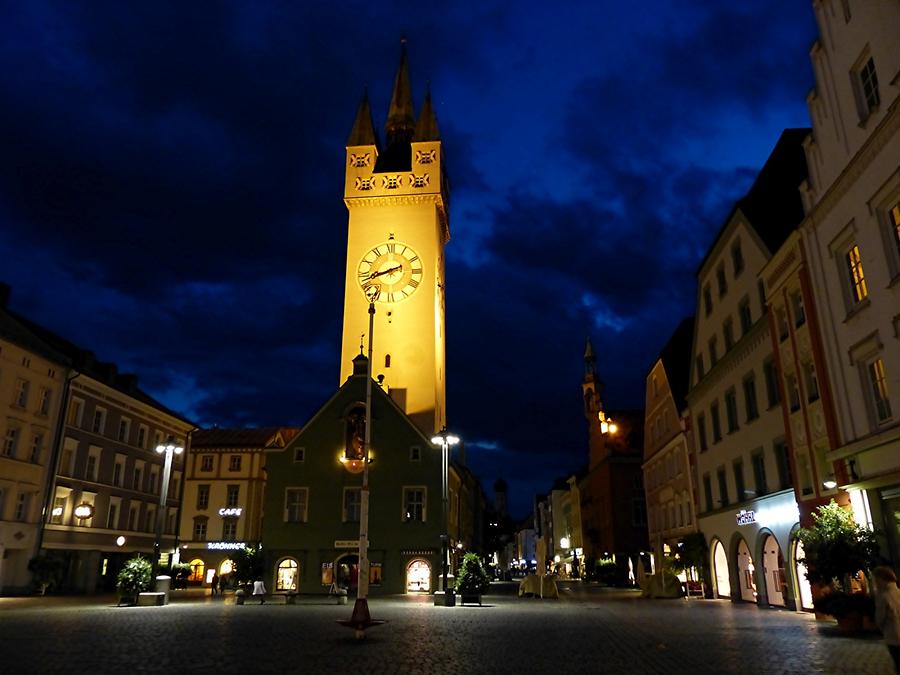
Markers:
{"x": 445, "y": 440}
{"x": 360, "y": 619}
{"x": 169, "y": 448}
{"x": 607, "y": 426}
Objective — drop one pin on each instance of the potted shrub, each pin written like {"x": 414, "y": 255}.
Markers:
{"x": 134, "y": 578}
{"x": 837, "y": 552}
{"x": 181, "y": 572}
{"x": 472, "y": 581}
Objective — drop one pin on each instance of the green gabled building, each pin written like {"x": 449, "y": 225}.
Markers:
{"x": 312, "y": 504}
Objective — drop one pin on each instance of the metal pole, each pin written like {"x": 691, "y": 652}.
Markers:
{"x": 444, "y": 535}
{"x": 363, "y": 581}
{"x": 163, "y": 497}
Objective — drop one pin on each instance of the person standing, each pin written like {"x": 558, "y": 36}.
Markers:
{"x": 887, "y": 610}
{"x": 222, "y": 581}
{"x": 215, "y": 583}
{"x": 259, "y": 589}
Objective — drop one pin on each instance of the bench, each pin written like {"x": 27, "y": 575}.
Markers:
{"x": 151, "y": 599}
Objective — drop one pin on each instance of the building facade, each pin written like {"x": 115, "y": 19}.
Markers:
{"x": 668, "y": 450}
{"x": 222, "y": 506}
{"x": 851, "y": 235}
{"x": 32, "y": 386}
{"x": 747, "y": 509}
{"x": 613, "y": 505}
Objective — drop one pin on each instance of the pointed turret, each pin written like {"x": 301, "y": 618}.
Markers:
{"x": 401, "y": 119}
{"x": 427, "y": 126}
{"x": 363, "y": 131}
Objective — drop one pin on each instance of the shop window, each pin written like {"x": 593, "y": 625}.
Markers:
{"x": 197, "y": 570}
{"x": 287, "y": 575}
{"x": 418, "y": 577}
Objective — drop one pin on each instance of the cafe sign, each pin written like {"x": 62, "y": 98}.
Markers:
{"x": 231, "y": 512}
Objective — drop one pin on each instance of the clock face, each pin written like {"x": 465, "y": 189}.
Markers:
{"x": 392, "y": 269}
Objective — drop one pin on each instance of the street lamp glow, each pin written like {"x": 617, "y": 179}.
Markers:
{"x": 830, "y": 483}
{"x": 169, "y": 446}
{"x": 120, "y": 540}
{"x": 564, "y": 542}
{"x": 445, "y": 440}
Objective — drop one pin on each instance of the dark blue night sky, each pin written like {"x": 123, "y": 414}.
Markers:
{"x": 172, "y": 178}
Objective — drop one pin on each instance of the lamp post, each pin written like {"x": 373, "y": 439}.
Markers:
{"x": 445, "y": 440}
{"x": 169, "y": 448}
{"x": 360, "y": 619}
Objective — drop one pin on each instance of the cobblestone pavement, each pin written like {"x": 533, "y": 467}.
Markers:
{"x": 588, "y": 630}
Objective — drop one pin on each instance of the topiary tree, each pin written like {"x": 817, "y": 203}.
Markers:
{"x": 135, "y": 577}
{"x": 472, "y": 578}
{"x": 836, "y": 548}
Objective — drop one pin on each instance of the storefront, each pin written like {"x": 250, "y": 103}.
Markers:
{"x": 754, "y": 553}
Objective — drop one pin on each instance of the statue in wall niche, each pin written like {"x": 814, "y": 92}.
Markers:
{"x": 356, "y": 434}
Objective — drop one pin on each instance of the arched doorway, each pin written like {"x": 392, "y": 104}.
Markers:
{"x": 198, "y": 567}
{"x": 806, "y": 597}
{"x": 773, "y": 567}
{"x": 346, "y": 572}
{"x": 746, "y": 572}
{"x": 287, "y": 575}
{"x": 418, "y": 577}
{"x": 720, "y": 570}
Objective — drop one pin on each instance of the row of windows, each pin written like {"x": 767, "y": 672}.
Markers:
{"x": 122, "y": 431}
{"x": 142, "y": 476}
{"x": 139, "y": 517}
{"x": 31, "y": 450}
{"x": 232, "y": 496}
{"x": 201, "y": 528}
{"x": 22, "y": 398}
{"x": 745, "y": 316}
{"x": 674, "y": 514}
{"x": 207, "y": 463}
{"x": 761, "y": 484}
{"x": 737, "y": 267}
{"x": 751, "y": 406}
{"x": 663, "y": 470}
{"x": 296, "y": 504}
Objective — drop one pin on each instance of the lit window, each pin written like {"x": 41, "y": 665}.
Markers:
{"x": 206, "y": 463}
{"x": 287, "y": 575}
{"x": 200, "y": 528}
{"x": 858, "y": 289}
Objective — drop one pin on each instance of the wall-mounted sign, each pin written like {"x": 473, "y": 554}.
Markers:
{"x": 225, "y": 545}
{"x": 231, "y": 512}
{"x": 346, "y": 543}
{"x": 84, "y": 511}
{"x": 745, "y": 517}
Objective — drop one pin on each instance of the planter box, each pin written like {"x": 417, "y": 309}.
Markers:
{"x": 469, "y": 598}
{"x": 151, "y": 599}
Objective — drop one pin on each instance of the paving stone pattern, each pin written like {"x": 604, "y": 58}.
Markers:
{"x": 589, "y": 630}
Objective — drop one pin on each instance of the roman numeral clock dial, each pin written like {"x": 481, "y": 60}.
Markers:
{"x": 391, "y": 268}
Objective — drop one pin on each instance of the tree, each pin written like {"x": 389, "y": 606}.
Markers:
{"x": 836, "y": 548}
{"x": 135, "y": 577}
{"x": 693, "y": 552}
{"x": 249, "y": 565}
{"x": 472, "y": 579}
{"x": 45, "y": 571}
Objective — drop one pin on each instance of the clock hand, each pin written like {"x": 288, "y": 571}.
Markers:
{"x": 387, "y": 271}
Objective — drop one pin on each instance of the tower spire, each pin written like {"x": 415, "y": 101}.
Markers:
{"x": 363, "y": 131}
{"x": 427, "y": 126}
{"x": 401, "y": 119}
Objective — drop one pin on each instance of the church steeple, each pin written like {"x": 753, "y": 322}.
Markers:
{"x": 363, "y": 131}
{"x": 427, "y": 126}
{"x": 401, "y": 119}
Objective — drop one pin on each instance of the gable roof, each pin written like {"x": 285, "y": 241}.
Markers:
{"x": 260, "y": 437}
{"x": 676, "y": 359}
{"x": 773, "y": 206}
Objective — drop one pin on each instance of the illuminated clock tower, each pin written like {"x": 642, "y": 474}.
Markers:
{"x": 398, "y": 198}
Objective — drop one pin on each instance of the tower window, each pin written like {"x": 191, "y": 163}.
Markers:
{"x": 387, "y": 360}
{"x": 425, "y": 156}
{"x": 419, "y": 181}
{"x": 364, "y": 183}
{"x": 391, "y": 182}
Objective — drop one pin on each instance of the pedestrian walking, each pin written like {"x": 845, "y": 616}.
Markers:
{"x": 259, "y": 589}
{"x": 215, "y": 583}
{"x": 222, "y": 580}
{"x": 887, "y": 610}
